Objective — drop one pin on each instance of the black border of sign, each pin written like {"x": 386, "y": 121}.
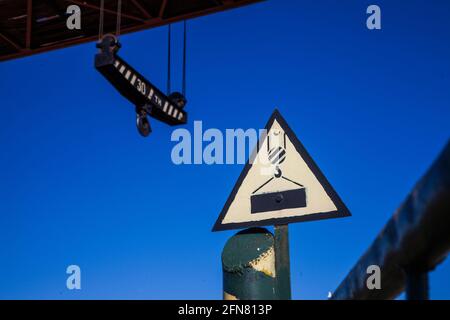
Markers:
{"x": 341, "y": 212}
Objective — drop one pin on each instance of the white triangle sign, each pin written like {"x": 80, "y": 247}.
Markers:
{"x": 282, "y": 184}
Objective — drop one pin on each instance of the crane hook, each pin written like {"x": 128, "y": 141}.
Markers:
{"x": 142, "y": 123}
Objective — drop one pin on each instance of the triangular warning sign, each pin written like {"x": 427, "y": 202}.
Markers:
{"x": 280, "y": 184}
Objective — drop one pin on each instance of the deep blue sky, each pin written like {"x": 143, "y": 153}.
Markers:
{"x": 78, "y": 185}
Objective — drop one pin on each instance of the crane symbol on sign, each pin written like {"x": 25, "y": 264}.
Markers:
{"x": 277, "y": 198}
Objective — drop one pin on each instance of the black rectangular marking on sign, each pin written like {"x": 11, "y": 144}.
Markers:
{"x": 295, "y": 198}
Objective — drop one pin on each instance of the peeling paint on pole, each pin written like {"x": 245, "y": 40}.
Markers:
{"x": 248, "y": 263}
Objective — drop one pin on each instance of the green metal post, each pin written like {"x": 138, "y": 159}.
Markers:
{"x": 248, "y": 264}
{"x": 282, "y": 262}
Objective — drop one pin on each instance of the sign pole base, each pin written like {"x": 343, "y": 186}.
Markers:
{"x": 248, "y": 264}
{"x": 282, "y": 262}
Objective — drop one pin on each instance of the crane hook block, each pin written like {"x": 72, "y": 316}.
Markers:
{"x": 146, "y": 97}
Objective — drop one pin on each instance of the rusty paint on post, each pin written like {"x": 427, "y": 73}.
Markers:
{"x": 248, "y": 264}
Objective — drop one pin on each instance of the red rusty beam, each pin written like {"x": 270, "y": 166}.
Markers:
{"x": 163, "y": 7}
{"x": 141, "y": 9}
{"x": 151, "y": 23}
{"x": 92, "y": 6}
{"x": 29, "y": 25}
{"x": 10, "y": 42}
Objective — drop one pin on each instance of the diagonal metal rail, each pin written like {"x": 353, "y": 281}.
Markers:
{"x": 413, "y": 242}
